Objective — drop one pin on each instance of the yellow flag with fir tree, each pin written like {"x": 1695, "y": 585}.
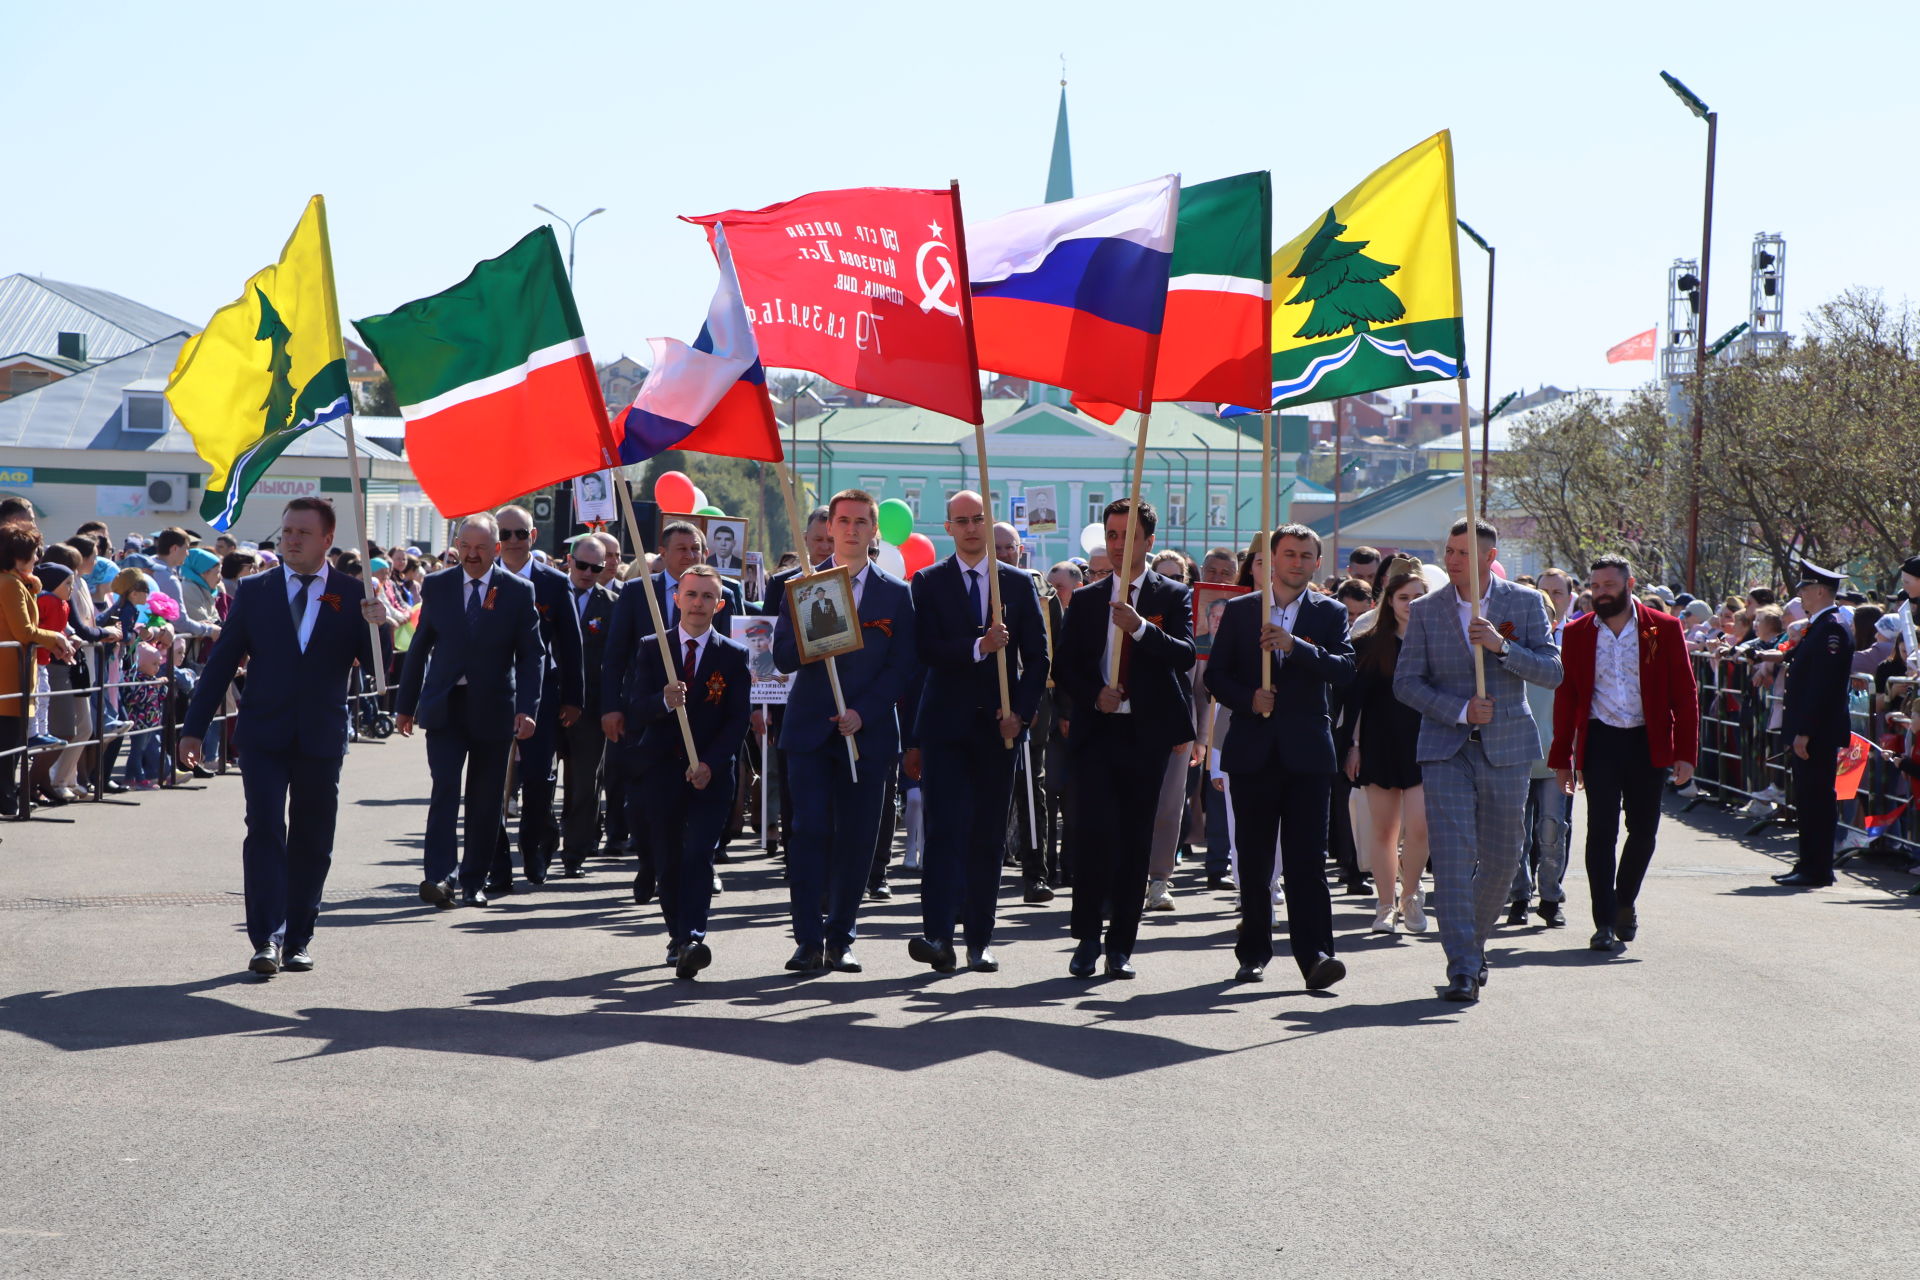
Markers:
{"x": 1368, "y": 296}
{"x": 268, "y": 368}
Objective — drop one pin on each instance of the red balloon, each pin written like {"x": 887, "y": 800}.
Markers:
{"x": 918, "y": 552}
{"x": 673, "y": 491}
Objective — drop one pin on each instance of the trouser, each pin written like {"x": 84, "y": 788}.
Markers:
{"x": 1057, "y": 793}
{"x": 1619, "y": 776}
{"x": 1280, "y": 804}
{"x": 1543, "y": 867}
{"x": 1169, "y": 816}
{"x": 613, "y": 786}
{"x": 836, "y": 820}
{"x": 622, "y": 763}
{"x": 1029, "y": 799}
{"x": 292, "y": 801}
{"x": 1816, "y": 811}
{"x": 685, "y": 825}
{"x": 72, "y": 719}
{"x": 539, "y": 833}
{"x": 1475, "y": 813}
{"x": 450, "y": 753}
{"x": 966, "y": 784}
{"x": 13, "y": 733}
{"x": 883, "y": 833}
{"x": 586, "y": 746}
{"x": 1346, "y": 854}
{"x": 1116, "y": 789}
{"x": 144, "y": 756}
{"x": 1219, "y": 831}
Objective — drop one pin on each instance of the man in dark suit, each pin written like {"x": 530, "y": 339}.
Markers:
{"x": 1131, "y": 708}
{"x": 472, "y": 681}
{"x": 685, "y": 805}
{"x": 299, "y": 628}
{"x": 1816, "y": 723}
{"x": 583, "y": 744}
{"x": 563, "y": 679}
{"x": 818, "y": 546}
{"x": 1626, "y": 712}
{"x": 1278, "y": 756}
{"x": 836, "y": 814}
{"x": 968, "y": 739}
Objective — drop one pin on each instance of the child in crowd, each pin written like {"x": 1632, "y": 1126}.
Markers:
{"x": 142, "y": 704}
{"x": 56, "y": 590}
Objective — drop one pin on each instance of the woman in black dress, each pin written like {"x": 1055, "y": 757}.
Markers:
{"x": 1382, "y": 759}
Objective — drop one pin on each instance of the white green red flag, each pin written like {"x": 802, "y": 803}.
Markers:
{"x": 1213, "y": 343}
{"x": 495, "y": 381}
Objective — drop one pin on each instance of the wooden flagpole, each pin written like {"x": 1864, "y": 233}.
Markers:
{"x": 1473, "y": 539}
{"x": 787, "y": 486}
{"x": 1266, "y": 543}
{"x": 353, "y": 451}
{"x": 1122, "y": 573}
{"x": 667, "y": 656}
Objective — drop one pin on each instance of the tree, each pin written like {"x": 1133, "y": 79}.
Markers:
{"x": 1343, "y": 284}
{"x": 375, "y": 399}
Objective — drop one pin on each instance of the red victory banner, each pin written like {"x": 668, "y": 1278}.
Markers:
{"x": 865, "y": 287}
{"x": 1638, "y": 347}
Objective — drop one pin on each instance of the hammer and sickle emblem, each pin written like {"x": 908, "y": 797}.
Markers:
{"x": 933, "y": 295}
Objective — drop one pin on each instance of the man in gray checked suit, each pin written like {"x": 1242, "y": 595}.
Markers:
{"x": 1474, "y": 751}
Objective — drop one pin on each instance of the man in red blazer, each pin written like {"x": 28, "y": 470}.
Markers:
{"x": 1626, "y": 713}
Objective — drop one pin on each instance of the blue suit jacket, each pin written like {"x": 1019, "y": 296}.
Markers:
{"x": 1299, "y": 733}
{"x": 1435, "y": 673}
{"x": 500, "y": 656}
{"x": 874, "y": 679}
{"x": 1158, "y": 693}
{"x": 719, "y": 702}
{"x": 295, "y": 701}
{"x": 564, "y": 673}
{"x": 959, "y": 694}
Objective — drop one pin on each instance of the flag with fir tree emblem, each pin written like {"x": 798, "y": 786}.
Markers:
{"x": 495, "y": 381}
{"x": 1368, "y": 296}
{"x": 1213, "y": 343}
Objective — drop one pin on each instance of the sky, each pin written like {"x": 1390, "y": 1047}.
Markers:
{"x": 165, "y": 152}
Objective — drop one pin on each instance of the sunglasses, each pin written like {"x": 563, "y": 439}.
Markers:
{"x": 585, "y": 564}
{"x": 515, "y": 535}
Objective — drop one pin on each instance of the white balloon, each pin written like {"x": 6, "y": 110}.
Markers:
{"x": 1093, "y": 538}
{"x": 699, "y": 497}
{"x": 891, "y": 560}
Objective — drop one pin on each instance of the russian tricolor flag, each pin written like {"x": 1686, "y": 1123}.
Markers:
{"x": 710, "y": 397}
{"x": 1074, "y": 293}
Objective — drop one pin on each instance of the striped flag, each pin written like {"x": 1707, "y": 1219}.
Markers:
{"x": 495, "y": 381}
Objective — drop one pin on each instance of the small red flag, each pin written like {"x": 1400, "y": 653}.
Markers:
{"x": 866, "y": 287}
{"x": 1638, "y": 347}
{"x": 1852, "y": 767}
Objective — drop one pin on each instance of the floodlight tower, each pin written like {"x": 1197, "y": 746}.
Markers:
{"x": 1678, "y": 356}
{"x": 1767, "y": 309}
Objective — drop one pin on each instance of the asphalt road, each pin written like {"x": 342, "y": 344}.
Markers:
{"x": 527, "y": 1091}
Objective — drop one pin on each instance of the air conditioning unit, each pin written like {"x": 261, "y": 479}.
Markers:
{"x": 167, "y": 493}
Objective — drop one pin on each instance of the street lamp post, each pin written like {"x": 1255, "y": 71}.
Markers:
{"x": 1486, "y": 369}
{"x": 572, "y": 228}
{"x": 1712, "y": 118}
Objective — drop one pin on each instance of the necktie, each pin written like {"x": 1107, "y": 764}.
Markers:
{"x": 693, "y": 660}
{"x": 1126, "y": 645}
{"x": 300, "y": 600}
{"x": 671, "y": 588}
{"x": 973, "y": 595}
{"x": 473, "y": 600}
{"x": 580, "y": 601}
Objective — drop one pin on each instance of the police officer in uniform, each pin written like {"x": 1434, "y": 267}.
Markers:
{"x": 1816, "y": 724}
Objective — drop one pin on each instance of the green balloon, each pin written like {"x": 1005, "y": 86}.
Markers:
{"x": 896, "y": 521}
{"x": 709, "y": 511}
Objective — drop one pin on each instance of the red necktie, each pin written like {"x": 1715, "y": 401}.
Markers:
{"x": 693, "y": 659}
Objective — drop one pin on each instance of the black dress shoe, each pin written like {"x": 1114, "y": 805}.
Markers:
{"x": 1217, "y": 884}
{"x": 1480, "y": 978}
{"x": 201, "y": 771}
{"x": 572, "y": 870}
{"x": 113, "y": 788}
{"x": 807, "y": 960}
{"x": 1626, "y": 924}
{"x": 297, "y": 961}
{"x": 266, "y": 961}
{"x": 1084, "y": 956}
{"x": 1461, "y": 990}
{"x": 437, "y": 892}
{"x": 1251, "y": 973}
{"x": 1324, "y": 972}
{"x": 694, "y": 957}
{"x": 1801, "y": 880}
{"x": 1551, "y": 915}
{"x": 536, "y": 875}
{"x": 1037, "y": 892}
{"x": 842, "y": 960}
{"x": 1120, "y": 967}
{"x": 642, "y": 892}
{"x": 473, "y": 897}
{"x": 983, "y": 961}
{"x": 880, "y": 892}
{"x": 1602, "y": 939}
{"x": 499, "y": 888}
{"x": 937, "y": 954}
{"x": 1357, "y": 888}
{"x": 1517, "y": 913}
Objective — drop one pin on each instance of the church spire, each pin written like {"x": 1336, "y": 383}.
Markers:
{"x": 1060, "y": 171}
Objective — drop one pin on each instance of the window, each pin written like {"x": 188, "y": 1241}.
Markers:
{"x": 1426, "y": 409}
{"x": 1177, "y": 507}
{"x": 1217, "y": 510}
{"x": 910, "y": 494}
{"x": 1096, "y": 503}
{"x": 146, "y": 411}
{"x": 28, "y": 379}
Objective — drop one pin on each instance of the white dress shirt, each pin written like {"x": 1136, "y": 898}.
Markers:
{"x": 680, "y": 650}
{"x": 1106, "y": 652}
{"x": 315, "y": 590}
{"x": 1284, "y": 615}
{"x": 981, "y": 567}
{"x": 1464, "y": 608}
{"x": 1616, "y": 672}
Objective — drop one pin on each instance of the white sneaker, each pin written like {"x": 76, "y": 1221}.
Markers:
{"x": 1411, "y": 915}
{"x": 1383, "y": 918}
{"x": 1771, "y": 794}
{"x": 1159, "y": 896}
{"x": 1279, "y": 896}
{"x": 1688, "y": 792}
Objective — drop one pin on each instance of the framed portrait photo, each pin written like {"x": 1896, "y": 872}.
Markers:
{"x": 727, "y": 545}
{"x": 677, "y": 517}
{"x": 825, "y": 623}
{"x": 771, "y": 686}
{"x": 1209, "y": 600}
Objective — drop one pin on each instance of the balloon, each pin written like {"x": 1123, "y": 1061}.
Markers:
{"x": 673, "y": 491}
{"x": 892, "y": 560}
{"x": 896, "y": 521}
{"x": 917, "y": 552}
{"x": 709, "y": 511}
{"x": 1093, "y": 538}
{"x": 1499, "y": 570}
{"x": 699, "y": 498}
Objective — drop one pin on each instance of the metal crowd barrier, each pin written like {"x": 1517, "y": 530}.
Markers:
{"x": 1743, "y": 757}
